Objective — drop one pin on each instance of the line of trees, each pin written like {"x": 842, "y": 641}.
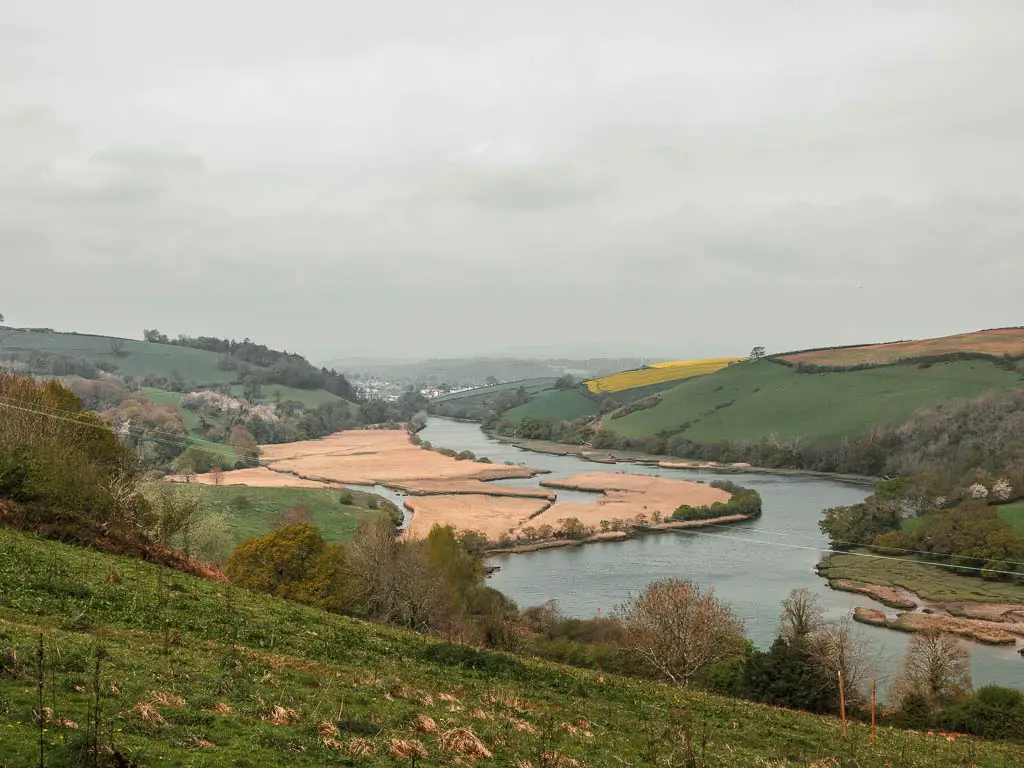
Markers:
{"x": 259, "y": 364}
{"x": 955, "y": 523}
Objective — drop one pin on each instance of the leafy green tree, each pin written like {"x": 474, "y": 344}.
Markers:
{"x": 293, "y": 562}
{"x": 859, "y": 524}
{"x": 786, "y": 676}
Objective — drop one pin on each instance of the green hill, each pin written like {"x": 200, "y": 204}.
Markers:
{"x": 567, "y": 404}
{"x": 472, "y": 403}
{"x": 175, "y": 670}
{"x": 133, "y": 358}
{"x": 749, "y": 401}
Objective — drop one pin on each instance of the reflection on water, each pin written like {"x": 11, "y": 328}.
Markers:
{"x": 752, "y": 565}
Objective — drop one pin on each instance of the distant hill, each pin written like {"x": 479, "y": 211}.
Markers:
{"x": 475, "y": 371}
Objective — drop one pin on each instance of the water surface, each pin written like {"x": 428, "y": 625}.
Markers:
{"x": 753, "y": 565}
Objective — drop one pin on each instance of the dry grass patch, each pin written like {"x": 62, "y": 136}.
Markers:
{"x": 522, "y": 725}
{"x": 427, "y": 700}
{"x": 328, "y": 730}
{"x": 202, "y": 743}
{"x": 281, "y": 716}
{"x": 148, "y": 714}
{"x": 221, "y": 708}
{"x": 556, "y": 759}
{"x": 479, "y": 714}
{"x": 164, "y": 699}
{"x": 463, "y": 741}
{"x": 351, "y": 748}
{"x": 406, "y": 749}
{"x": 426, "y": 724}
{"x": 447, "y": 697}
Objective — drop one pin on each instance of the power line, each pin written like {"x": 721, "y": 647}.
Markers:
{"x": 850, "y": 543}
{"x": 106, "y": 428}
{"x": 853, "y": 554}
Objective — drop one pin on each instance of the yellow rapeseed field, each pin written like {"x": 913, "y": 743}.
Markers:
{"x": 658, "y": 373}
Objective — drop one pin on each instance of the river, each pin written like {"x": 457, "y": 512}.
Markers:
{"x": 753, "y": 565}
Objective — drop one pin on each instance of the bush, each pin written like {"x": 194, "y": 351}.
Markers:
{"x": 992, "y": 712}
{"x": 744, "y": 501}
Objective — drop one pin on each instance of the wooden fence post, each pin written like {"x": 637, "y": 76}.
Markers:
{"x": 873, "y": 711}
{"x": 842, "y": 702}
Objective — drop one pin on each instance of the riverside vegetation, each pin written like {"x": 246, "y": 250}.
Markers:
{"x": 136, "y": 661}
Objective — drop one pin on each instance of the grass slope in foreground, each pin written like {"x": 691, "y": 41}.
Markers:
{"x": 191, "y": 672}
{"x": 250, "y": 510}
{"x": 749, "y": 401}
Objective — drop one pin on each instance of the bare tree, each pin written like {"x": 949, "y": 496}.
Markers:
{"x": 836, "y": 649}
{"x": 680, "y": 630}
{"x": 802, "y": 617}
{"x": 936, "y": 667}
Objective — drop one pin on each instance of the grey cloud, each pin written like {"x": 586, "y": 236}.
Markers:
{"x": 668, "y": 178}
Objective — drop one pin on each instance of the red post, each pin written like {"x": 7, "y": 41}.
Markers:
{"x": 842, "y": 702}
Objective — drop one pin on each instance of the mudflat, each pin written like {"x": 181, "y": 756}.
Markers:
{"x": 254, "y": 477}
{"x": 369, "y": 456}
{"x": 625, "y": 496}
{"x": 490, "y": 515}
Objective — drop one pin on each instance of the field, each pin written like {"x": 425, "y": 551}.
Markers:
{"x": 249, "y": 510}
{"x": 997, "y": 343}
{"x": 929, "y": 582}
{"x": 278, "y": 393}
{"x": 189, "y": 672}
{"x": 195, "y": 365}
{"x": 567, "y": 404}
{"x": 657, "y": 373}
{"x": 753, "y": 400}
{"x": 1014, "y": 515}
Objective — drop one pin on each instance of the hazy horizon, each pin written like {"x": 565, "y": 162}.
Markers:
{"x": 454, "y": 180}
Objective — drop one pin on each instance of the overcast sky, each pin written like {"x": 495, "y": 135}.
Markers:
{"x": 466, "y": 176}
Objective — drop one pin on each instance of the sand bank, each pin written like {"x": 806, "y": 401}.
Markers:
{"x": 626, "y": 496}
{"x": 490, "y": 515}
{"x": 255, "y": 477}
{"x": 368, "y": 457}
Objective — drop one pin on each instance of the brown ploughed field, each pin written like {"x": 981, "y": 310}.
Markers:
{"x": 996, "y": 343}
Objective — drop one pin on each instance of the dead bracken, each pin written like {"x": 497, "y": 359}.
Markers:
{"x": 163, "y": 699}
{"x": 405, "y": 749}
{"x": 148, "y": 713}
{"x": 281, "y": 716}
{"x": 463, "y": 741}
{"x": 426, "y": 724}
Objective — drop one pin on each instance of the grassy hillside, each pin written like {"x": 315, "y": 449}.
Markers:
{"x": 567, "y": 404}
{"x": 530, "y": 385}
{"x": 657, "y": 373}
{"x": 752, "y": 400}
{"x": 197, "y": 367}
{"x": 189, "y": 672}
{"x": 996, "y": 343}
{"x": 249, "y": 510}
{"x": 472, "y": 403}
{"x": 138, "y": 357}
{"x": 1014, "y": 515}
